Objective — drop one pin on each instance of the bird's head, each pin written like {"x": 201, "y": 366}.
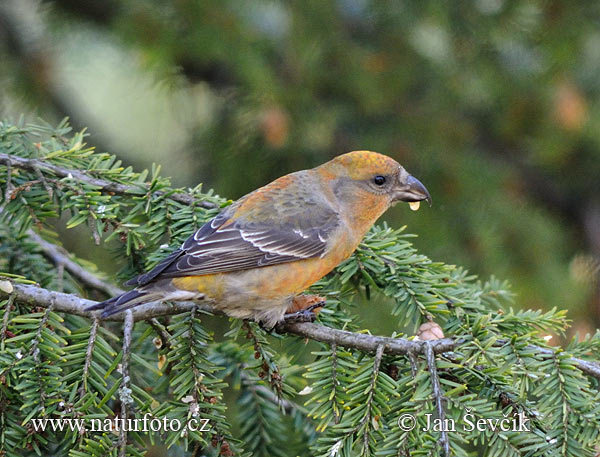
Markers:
{"x": 374, "y": 178}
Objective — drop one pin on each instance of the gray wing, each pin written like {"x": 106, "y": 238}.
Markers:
{"x": 222, "y": 246}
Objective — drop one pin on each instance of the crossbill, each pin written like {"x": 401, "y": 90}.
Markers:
{"x": 256, "y": 256}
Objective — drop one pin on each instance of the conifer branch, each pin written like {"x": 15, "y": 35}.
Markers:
{"x": 589, "y": 368}
{"x": 364, "y": 342}
{"x": 161, "y": 331}
{"x": 88, "y": 357}
{"x": 39, "y": 166}
{"x": 334, "y": 381}
{"x": 125, "y": 390}
{"x": 38, "y": 336}
{"x": 71, "y": 304}
{"x": 11, "y": 299}
{"x": 369, "y": 406}
{"x": 60, "y": 257}
{"x": 438, "y": 396}
{"x": 35, "y": 352}
{"x": 287, "y": 406}
{"x": 9, "y": 185}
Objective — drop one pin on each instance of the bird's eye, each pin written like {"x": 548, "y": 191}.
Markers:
{"x": 379, "y": 180}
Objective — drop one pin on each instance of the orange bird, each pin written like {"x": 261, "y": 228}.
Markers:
{"x": 256, "y": 257}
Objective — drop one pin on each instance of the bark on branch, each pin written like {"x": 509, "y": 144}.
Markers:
{"x": 73, "y": 304}
{"x": 36, "y": 165}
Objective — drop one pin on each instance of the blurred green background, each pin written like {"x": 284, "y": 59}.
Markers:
{"x": 493, "y": 104}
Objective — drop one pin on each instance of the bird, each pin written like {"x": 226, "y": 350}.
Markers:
{"x": 256, "y": 257}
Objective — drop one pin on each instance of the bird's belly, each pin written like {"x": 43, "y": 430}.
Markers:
{"x": 257, "y": 285}
{"x": 265, "y": 293}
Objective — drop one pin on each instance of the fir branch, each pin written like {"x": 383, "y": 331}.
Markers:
{"x": 363, "y": 342}
{"x": 287, "y": 406}
{"x": 36, "y": 165}
{"x": 60, "y": 277}
{"x": 9, "y": 185}
{"x": 61, "y": 259}
{"x": 161, "y": 331}
{"x": 71, "y": 304}
{"x": 565, "y": 410}
{"x": 414, "y": 364}
{"x": 589, "y": 368}
{"x": 44, "y": 182}
{"x": 88, "y": 356}
{"x": 335, "y": 381}
{"x": 11, "y": 299}
{"x": 125, "y": 390}
{"x": 437, "y": 395}
{"x": 38, "y": 336}
{"x": 268, "y": 368}
{"x": 198, "y": 375}
{"x": 369, "y": 411}
{"x": 35, "y": 352}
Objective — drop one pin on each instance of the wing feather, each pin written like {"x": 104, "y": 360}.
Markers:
{"x": 227, "y": 244}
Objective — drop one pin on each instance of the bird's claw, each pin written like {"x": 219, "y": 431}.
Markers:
{"x": 305, "y": 315}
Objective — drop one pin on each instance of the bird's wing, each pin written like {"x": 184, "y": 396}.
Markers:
{"x": 257, "y": 231}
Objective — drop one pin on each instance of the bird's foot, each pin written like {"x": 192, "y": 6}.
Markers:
{"x": 304, "y": 308}
{"x": 306, "y": 315}
{"x": 303, "y": 302}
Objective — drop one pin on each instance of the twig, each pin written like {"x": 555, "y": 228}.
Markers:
{"x": 286, "y": 405}
{"x": 565, "y": 410}
{"x": 268, "y": 367}
{"x": 105, "y": 186}
{"x": 35, "y": 352}
{"x": 59, "y": 256}
{"x": 88, "y": 357}
{"x": 60, "y": 277}
{"x": 125, "y": 391}
{"x": 193, "y": 361}
{"x": 414, "y": 364}
{"x": 73, "y": 304}
{"x": 38, "y": 336}
{"x": 11, "y": 299}
{"x": 161, "y": 331}
{"x": 9, "y": 186}
{"x": 438, "y": 396}
{"x": 367, "y": 419}
{"x": 334, "y": 382}
{"x": 92, "y": 226}
{"x": 42, "y": 178}
{"x": 364, "y": 342}
{"x": 589, "y": 368}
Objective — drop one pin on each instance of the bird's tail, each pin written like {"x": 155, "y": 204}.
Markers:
{"x": 125, "y": 301}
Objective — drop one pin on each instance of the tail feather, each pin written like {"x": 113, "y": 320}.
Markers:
{"x": 123, "y": 302}
{"x": 157, "y": 290}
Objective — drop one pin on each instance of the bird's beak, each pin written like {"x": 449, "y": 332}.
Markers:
{"x": 411, "y": 190}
